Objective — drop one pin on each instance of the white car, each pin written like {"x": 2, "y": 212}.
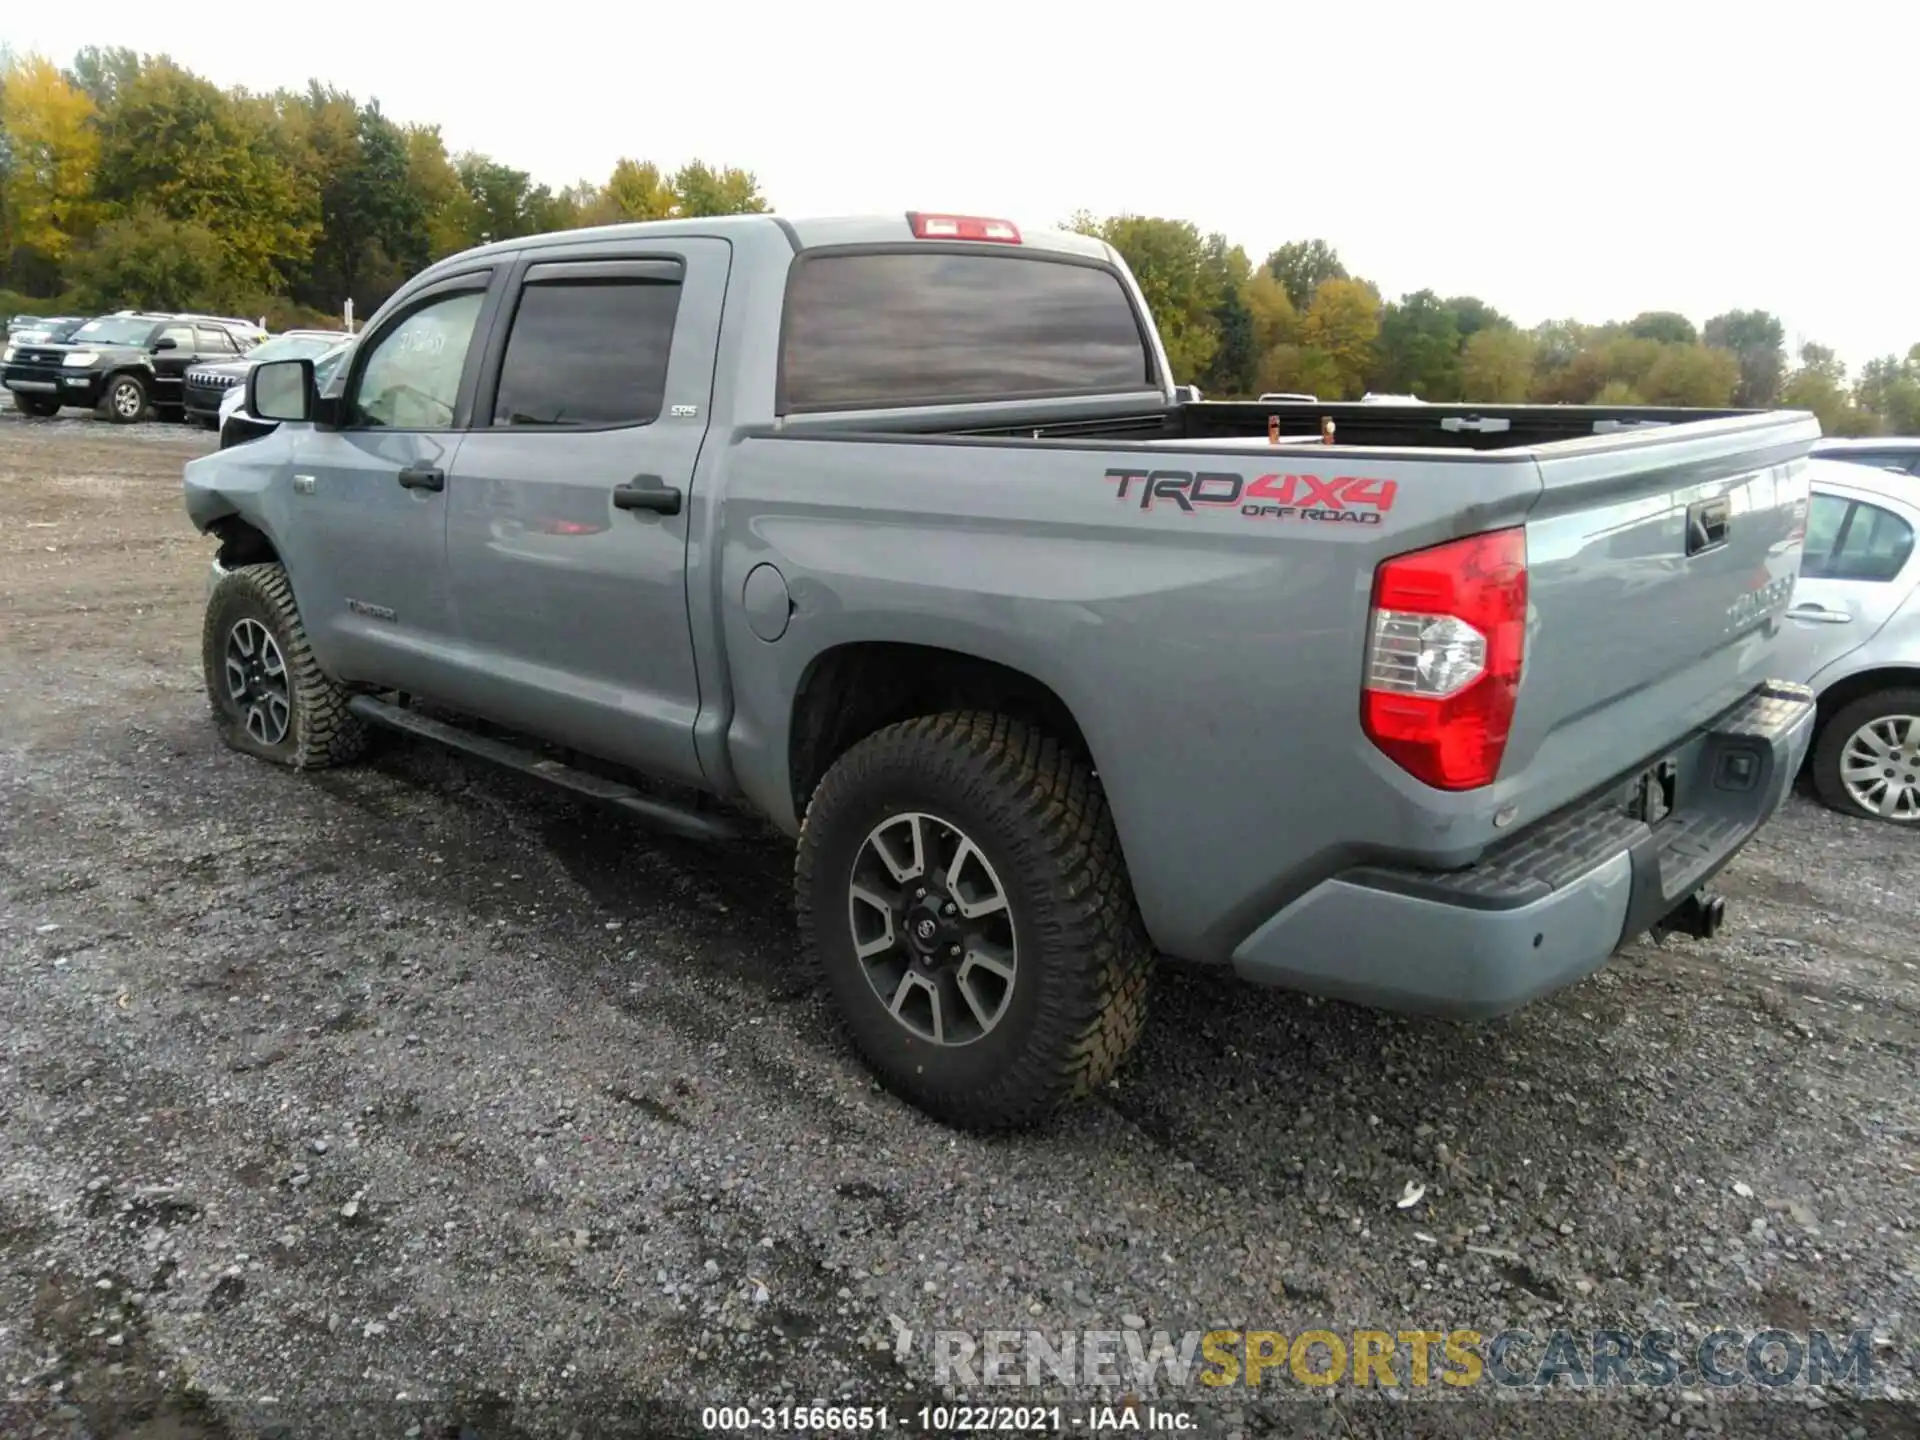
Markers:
{"x": 1853, "y": 634}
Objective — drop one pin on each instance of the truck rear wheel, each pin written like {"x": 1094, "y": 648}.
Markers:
{"x": 269, "y": 696}
{"x": 1867, "y": 760}
{"x": 960, "y": 889}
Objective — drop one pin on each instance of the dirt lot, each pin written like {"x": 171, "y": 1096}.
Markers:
{"x": 406, "y": 1098}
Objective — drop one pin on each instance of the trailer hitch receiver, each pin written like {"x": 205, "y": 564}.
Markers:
{"x": 1701, "y": 915}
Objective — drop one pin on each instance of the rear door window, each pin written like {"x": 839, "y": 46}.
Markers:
{"x": 928, "y": 327}
{"x": 587, "y": 352}
{"x": 215, "y": 341}
{"x": 1855, "y": 541}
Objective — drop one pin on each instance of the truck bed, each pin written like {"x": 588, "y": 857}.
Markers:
{"x": 1237, "y": 424}
{"x": 1197, "y": 595}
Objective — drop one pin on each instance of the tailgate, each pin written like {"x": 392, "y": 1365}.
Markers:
{"x": 1659, "y": 563}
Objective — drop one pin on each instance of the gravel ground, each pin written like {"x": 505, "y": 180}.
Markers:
{"x": 374, "y": 1101}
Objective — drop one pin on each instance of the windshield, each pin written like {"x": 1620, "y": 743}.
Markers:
{"x": 292, "y": 347}
{"x": 112, "y": 331}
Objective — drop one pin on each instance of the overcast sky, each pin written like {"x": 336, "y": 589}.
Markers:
{"x": 1557, "y": 160}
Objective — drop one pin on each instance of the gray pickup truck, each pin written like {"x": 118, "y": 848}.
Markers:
{"x": 897, "y": 533}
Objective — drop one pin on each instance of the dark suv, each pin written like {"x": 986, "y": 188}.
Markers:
{"x": 120, "y": 365}
{"x": 208, "y": 383}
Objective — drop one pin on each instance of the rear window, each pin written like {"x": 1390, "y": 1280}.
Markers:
{"x": 932, "y": 327}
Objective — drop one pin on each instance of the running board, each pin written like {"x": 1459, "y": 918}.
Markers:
{"x": 660, "y": 814}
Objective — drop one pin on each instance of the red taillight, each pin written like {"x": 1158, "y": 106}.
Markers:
{"x": 1445, "y": 642}
{"x": 962, "y": 227}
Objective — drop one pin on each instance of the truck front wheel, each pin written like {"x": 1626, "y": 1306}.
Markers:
{"x": 961, "y": 891}
{"x": 269, "y": 696}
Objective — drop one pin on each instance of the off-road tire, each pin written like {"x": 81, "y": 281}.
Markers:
{"x": 1832, "y": 744}
{"x": 1040, "y": 817}
{"x": 45, "y": 406}
{"x": 321, "y": 731}
{"x": 118, "y": 411}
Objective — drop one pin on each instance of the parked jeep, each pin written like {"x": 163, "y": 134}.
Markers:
{"x": 896, "y": 532}
{"x": 207, "y": 384}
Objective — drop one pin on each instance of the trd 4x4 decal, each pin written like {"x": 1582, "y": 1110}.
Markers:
{"x": 1350, "y": 499}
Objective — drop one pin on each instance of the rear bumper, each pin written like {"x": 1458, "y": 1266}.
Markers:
{"x": 1554, "y": 902}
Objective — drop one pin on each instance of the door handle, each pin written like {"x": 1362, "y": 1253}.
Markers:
{"x": 1707, "y": 524}
{"x": 423, "y": 477}
{"x": 1820, "y": 614}
{"x": 647, "y": 492}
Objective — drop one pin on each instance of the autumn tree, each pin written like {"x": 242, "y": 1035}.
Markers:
{"x": 1275, "y": 322}
{"x": 636, "y": 190}
{"x": 1341, "y": 326}
{"x": 449, "y": 215}
{"x": 200, "y": 156}
{"x": 1691, "y": 374}
{"x": 1302, "y": 266}
{"x": 703, "y": 189}
{"x": 51, "y": 153}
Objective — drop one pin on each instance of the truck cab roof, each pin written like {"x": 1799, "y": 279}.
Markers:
{"x": 800, "y": 234}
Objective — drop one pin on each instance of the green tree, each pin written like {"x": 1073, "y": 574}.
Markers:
{"x": 504, "y": 203}
{"x": 1820, "y": 385}
{"x": 1889, "y": 390}
{"x": 1471, "y": 315}
{"x": 51, "y": 152}
{"x": 146, "y": 260}
{"x": 1234, "y": 368}
{"x": 1757, "y": 341}
{"x": 198, "y": 155}
{"x": 1664, "y": 327}
{"x": 1418, "y": 352}
{"x": 1341, "y": 325}
{"x": 1496, "y": 366}
{"x": 704, "y": 190}
{"x": 102, "y": 72}
{"x": 1302, "y": 266}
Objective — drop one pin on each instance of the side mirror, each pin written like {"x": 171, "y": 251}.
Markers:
{"x": 282, "y": 390}
{"x": 165, "y": 342}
